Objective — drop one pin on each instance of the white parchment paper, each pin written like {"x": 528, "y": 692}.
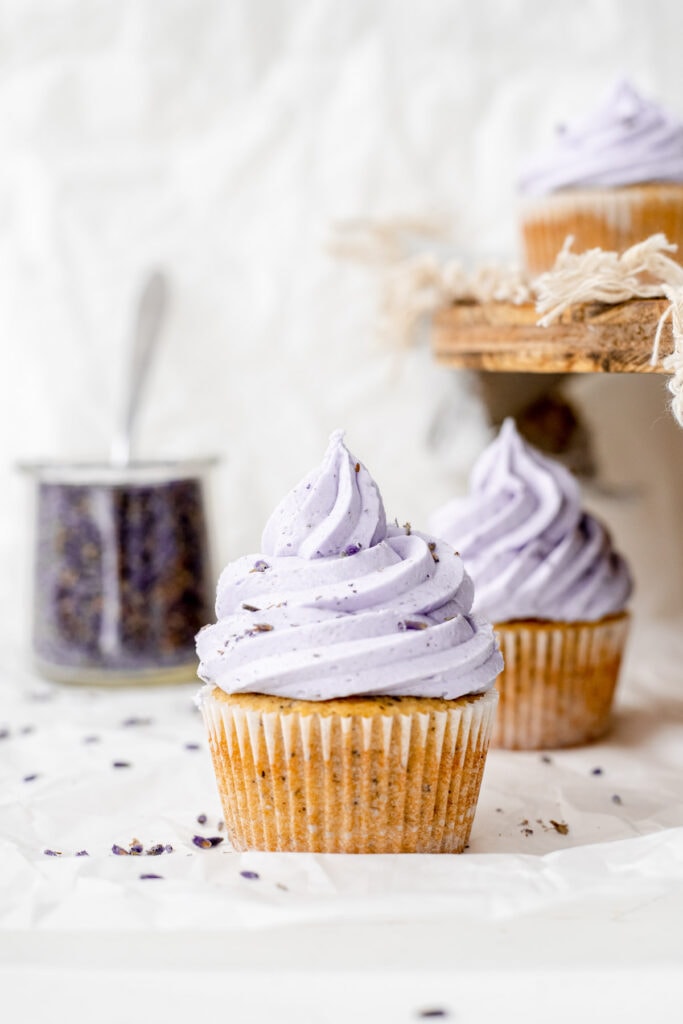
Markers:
{"x": 87, "y": 769}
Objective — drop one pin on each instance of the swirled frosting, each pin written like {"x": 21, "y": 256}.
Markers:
{"x": 629, "y": 140}
{"x": 532, "y": 552}
{"x": 339, "y": 604}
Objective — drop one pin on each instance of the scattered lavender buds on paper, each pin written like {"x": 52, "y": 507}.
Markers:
{"x": 206, "y": 842}
{"x": 250, "y": 874}
{"x": 52, "y": 853}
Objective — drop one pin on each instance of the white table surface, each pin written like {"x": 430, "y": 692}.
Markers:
{"x": 526, "y": 925}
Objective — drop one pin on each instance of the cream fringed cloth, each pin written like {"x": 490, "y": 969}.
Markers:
{"x": 421, "y": 284}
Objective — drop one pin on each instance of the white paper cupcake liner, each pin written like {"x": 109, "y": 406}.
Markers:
{"x": 359, "y": 776}
{"x": 557, "y": 687}
{"x": 613, "y": 219}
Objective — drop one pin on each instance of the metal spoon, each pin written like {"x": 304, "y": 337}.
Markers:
{"x": 150, "y": 313}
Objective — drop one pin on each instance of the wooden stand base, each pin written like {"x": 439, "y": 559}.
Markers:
{"x": 592, "y": 338}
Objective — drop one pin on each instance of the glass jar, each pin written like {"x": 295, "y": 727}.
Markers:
{"x": 122, "y": 577}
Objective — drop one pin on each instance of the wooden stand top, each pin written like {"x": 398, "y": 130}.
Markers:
{"x": 591, "y": 338}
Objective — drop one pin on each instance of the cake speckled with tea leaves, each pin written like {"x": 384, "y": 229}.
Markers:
{"x": 349, "y": 693}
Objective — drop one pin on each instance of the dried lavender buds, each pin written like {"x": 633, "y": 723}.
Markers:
{"x": 144, "y": 542}
{"x": 206, "y": 842}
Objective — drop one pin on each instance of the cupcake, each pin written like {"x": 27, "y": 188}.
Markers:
{"x": 546, "y": 574}
{"x": 349, "y": 692}
{"x": 611, "y": 180}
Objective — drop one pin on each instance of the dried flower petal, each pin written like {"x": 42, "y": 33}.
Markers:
{"x": 149, "y": 875}
{"x": 52, "y": 853}
{"x": 82, "y": 853}
{"x": 560, "y": 827}
{"x": 30, "y": 778}
{"x": 191, "y": 746}
{"x": 136, "y": 721}
{"x": 201, "y": 819}
{"x": 120, "y": 764}
{"x": 616, "y": 799}
{"x": 250, "y": 874}
{"x": 250, "y": 607}
{"x": 155, "y": 851}
{"x": 119, "y": 851}
{"x": 260, "y": 566}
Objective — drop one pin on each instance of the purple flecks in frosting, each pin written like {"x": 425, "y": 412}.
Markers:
{"x": 356, "y": 607}
{"x": 628, "y": 140}
{"x": 531, "y": 550}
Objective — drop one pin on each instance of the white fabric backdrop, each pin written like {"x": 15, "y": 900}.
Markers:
{"x": 219, "y": 140}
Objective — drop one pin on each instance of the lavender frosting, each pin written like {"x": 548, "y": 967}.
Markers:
{"x": 339, "y": 604}
{"x": 531, "y": 550}
{"x": 628, "y": 140}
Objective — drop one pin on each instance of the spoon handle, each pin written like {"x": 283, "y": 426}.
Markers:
{"x": 151, "y": 308}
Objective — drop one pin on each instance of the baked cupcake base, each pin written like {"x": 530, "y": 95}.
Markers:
{"x": 612, "y": 218}
{"x": 355, "y": 775}
{"x": 557, "y": 687}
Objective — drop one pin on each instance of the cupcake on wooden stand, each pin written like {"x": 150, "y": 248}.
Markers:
{"x": 610, "y": 180}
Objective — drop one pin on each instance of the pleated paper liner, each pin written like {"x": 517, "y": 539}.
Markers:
{"x": 358, "y": 775}
{"x": 558, "y": 684}
{"x": 612, "y": 218}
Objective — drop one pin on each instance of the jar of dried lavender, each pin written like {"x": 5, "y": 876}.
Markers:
{"x": 122, "y": 573}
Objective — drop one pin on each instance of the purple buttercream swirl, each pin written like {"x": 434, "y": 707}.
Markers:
{"x": 532, "y": 552}
{"x": 338, "y": 604}
{"x": 629, "y": 140}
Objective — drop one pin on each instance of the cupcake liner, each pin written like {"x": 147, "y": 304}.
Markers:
{"x": 613, "y": 219}
{"x": 558, "y": 683}
{"x": 365, "y": 775}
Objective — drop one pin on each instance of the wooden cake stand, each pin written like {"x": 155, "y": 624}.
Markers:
{"x": 592, "y": 338}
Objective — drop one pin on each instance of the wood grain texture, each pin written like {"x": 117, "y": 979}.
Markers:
{"x": 592, "y": 338}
